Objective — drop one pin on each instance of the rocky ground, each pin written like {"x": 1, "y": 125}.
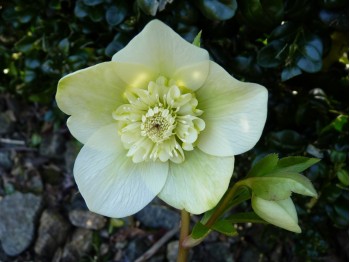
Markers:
{"x": 44, "y": 218}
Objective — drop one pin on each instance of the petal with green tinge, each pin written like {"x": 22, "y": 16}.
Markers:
{"x": 280, "y": 213}
{"x": 234, "y": 113}
{"x": 163, "y": 51}
{"x": 198, "y": 183}
{"x": 90, "y": 95}
{"x": 111, "y": 184}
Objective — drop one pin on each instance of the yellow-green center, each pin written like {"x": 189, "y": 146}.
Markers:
{"x": 159, "y": 122}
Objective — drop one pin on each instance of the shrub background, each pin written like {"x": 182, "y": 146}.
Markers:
{"x": 298, "y": 49}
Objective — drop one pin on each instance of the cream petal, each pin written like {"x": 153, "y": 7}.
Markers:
{"x": 111, "y": 184}
{"x": 198, "y": 183}
{"x": 163, "y": 51}
{"x": 234, "y": 113}
{"x": 280, "y": 213}
{"x": 83, "y": 126}
{"x": 91, "y": 95}
{"x": 136, "y": 75}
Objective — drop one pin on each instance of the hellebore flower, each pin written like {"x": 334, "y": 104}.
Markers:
{"x": 280, "y": 213}
{"x": 160, "y": 119}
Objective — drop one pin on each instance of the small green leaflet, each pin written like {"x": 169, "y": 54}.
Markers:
{"x": 275, "y": 179}
{"x": 296, "y": 164}
{"x": 248, "y": 217}
{"x": 197, "y": 39}
{"x": 199, "y": 231}
{"x": 225, "y": 227}
{"x": 264, "y": 166}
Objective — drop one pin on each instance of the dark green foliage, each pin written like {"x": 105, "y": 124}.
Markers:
{"x": 298, "y": 49}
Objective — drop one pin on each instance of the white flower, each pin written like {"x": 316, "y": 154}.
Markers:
{"x": 160, "y": 119}
{"x": 280, "y": 213}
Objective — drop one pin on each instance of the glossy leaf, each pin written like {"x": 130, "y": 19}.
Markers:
{"x": 80, "y": 10}
{"x": 273, "y": 8}
{"x": 63, "y": 45}
{"x": 116, "y": 14}
{"x": 225, "y": 227}
{"x": 149, "y": 7}
{"x": 260, "y": 14}
{"x": 264, "y": 166}
{"x": 343, "y": 177}
{"x": 199, "y": 231}
{"x": 279, "y": 185}
{"x": 295, "y": 164}
{"x": 285, "y": 32}
{"x": 92, "y": 2}
{"x": 287, "y": 141}
{"x": 272, "y": 55}
{"x": 217, "y": 9}
{"x": 290, "y": 72}
{"x": 310, "y": 59}
{"x": 248, "y": 217}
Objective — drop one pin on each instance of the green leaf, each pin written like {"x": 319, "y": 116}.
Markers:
{"x": 310, "y": 59}
{"x": 225, "y": 227}
{"x": 272, "y": 55}
{"x": 63, "y": 45}
{"x": 265, "y": 165}
{"x": 116, "y": 14}
{"x": 96, "y": 14}
{"x": 273, "y": 8}
{"x": 257, "y": 13}
{"x": 199, "y": 231}
{"x": 287, "y": 141}
{"x": 217, "y": 9}
{"x": 197, "y": 39}
{"x": 149, "y": 7}
{"x": 32, "y": 63}
{"x": 310, "y": 54}
{"x": 247, "y": 217}
{"x": 295, "y": 164}
{"x": 340, "y": 122}
{"x": 285, "y": 32}
{"x": 290, "y": 72}
{"x": 343, "y": 177}
{"x": 80, "y": 10}
{"x": 279, "y": 186}
{"x": 92, "y": 2}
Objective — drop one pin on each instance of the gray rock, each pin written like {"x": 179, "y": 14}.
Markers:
{"x": 250, "y": 253}
{"x": 5, "y": 160}
{"x": 156, "y": 216}
{"x": 86, "y": 219}
{"x": 79, "y": 245}
{"x": 6, "y": 124}
{"x": 172, "y": 250}
{"x": 52, "y": 146}
{"x": 52, "y": 174}
{"x": 53, "y": 231}
{"x": 3, "y": 256}
{"x": 135, "y": 249}
{"x": 72, "y": 150}
{"x": 18, "y": 213}
{"x": 220, "y": 252}
{"x": 35, "y": 184}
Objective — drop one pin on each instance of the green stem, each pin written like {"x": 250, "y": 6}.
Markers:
{"x": 222, "y": 206}
{"x": 184, "y": 232}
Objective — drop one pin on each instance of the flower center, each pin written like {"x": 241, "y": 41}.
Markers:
{"x": 159, "y": 122}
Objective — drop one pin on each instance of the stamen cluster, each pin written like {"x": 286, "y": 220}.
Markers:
{"x": 159, "y": 122}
